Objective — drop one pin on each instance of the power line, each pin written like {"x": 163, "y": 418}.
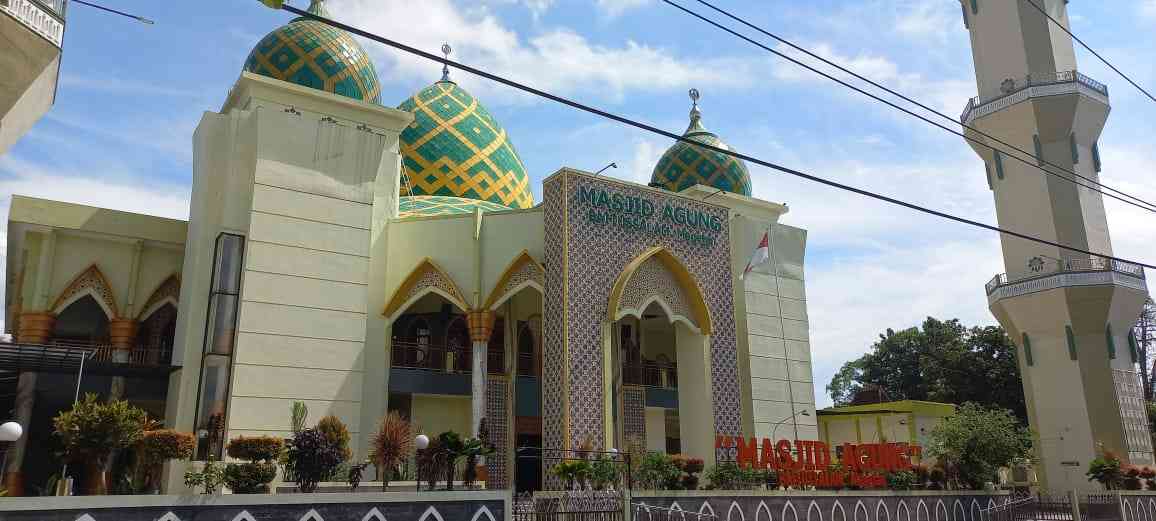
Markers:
{"x": 1091, "y": 50}
{"x": 140, "y": 19}
{"x": 678, "y": 137}
{"x": 1139, "y": 203}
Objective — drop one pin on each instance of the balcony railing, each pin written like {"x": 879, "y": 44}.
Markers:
{"x": 651, "y": 374}
{"x": 105, "y": 353}
{"x": 442, "y": 358}
{"x": 1013, "y": 86}
{"x": 45, "y": 17}
{"x": 1041, "y": 270}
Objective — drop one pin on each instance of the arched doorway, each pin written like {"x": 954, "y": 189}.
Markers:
{"x": 83, "y": 322}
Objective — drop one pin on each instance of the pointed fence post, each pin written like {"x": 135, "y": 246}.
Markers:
{"x": 1074, "y": 497}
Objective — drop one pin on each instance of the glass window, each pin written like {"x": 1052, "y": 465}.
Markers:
{"x": 210, "y": 428}
{"x": 222, "y": 324}
{"x": 220, "y": 332}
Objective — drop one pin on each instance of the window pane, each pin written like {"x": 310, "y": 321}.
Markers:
{"x": 210, "y": 428}
{"x": 227, "y": 268}
{"x": 222, "y": 323}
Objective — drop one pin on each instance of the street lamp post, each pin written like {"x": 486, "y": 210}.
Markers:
{"x": 803, "y": 412}
{"x": 421, "y": 442}
{"x": 9, "y": 432}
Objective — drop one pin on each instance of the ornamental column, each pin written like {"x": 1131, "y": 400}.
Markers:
{"x": 32, "y": 328}
{"x": 481, "y": 326}
{"x": 121, "y": 336}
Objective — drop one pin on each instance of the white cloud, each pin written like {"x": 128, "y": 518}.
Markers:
{"x": 945, "y": 95}
{"x": 615, "y": 8}
{"x": 927, "y": 18}
{"x": 641, "y": 164}
{"x": 557, "y": 59}
{"x": 125, "y": 86}
{"x": 1148, "y": 8}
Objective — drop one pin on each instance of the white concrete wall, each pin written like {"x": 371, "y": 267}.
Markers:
{"x": 655, "y": 429}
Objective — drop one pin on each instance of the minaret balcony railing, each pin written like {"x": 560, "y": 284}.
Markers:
{"x": 1015, "y": 90}
{"x": 43, "y": 17}
{"x": 1066, "y": 273}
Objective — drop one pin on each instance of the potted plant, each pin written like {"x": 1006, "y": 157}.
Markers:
{"x": 472, "y": 450}
{"x": 92, "y": 430}
{"x": 158, "y": 446}
{"x": 260, "y": 468}
{"x": 573, "y": 472}
{"x": 1106, "y": 470}
{"x": 689, "y": 468}
{"x": 392, "y": 442}
{"x": 603, "y": 473}
{"x": 209, "y": 478}
{"x": 312, "y": 456}
{"x": 453, "y": 449}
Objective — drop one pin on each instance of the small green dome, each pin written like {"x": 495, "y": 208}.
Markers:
{"x": 455, "y": 148}
{"x": 313, "y": 54}
{"x": 685, "y": 165}
{"x": 432, "y": 205}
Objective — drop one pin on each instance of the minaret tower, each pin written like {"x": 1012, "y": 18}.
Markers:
{"x": 1069, "y": 314}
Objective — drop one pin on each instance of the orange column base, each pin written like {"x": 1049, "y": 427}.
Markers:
{"x": 122, "y": 333}
{"x": 35, "y": 327}
{"x": 14, "y": 483}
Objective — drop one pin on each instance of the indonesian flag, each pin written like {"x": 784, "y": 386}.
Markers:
{"x": 760, "y": 255}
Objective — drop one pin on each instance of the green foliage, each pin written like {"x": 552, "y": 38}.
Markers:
{"x": 161, "y": 445}
{"x": 976, "y": 441}
{"x": 91, "y": 430}
{"x": 603, "y": 473}
{"x": 337, "y": 433}
{"x": 688, "y": 468}
{"x": 728, "y": 475}
{"x": 657, "y": 471}
{"x": 209, "y": 479}
{"x": 312, "y": 456}
{"x": 902, "y": 480}
{"x": 255, "y": 449}
{"x": 943, "y": 361}
{"x": 250, "y": 478}
{"x": 573, "y": 472}
{"x": 1106, "y": 470}
{"x": 298, "y": 412}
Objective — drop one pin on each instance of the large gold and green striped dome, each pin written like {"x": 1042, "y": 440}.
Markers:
{"x": 313, "y": 54}
{"x": 685, "y": 164}
{"x": 455, "y": 148}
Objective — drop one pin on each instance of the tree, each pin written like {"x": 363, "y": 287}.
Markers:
{"x": 943, "y": 361}
{"x": 1144, "y": 335}
{"x": 92, "y": 430}
{"x": 976, "y": 441}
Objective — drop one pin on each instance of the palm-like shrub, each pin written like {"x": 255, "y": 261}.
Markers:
{"x": 312, "y": 456}
{"x": 337, "y": 433}
{"x": 392, "y": 442}
{"x": 92, "y": 430}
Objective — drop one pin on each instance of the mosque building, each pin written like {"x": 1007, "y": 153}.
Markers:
{"x": 362, "y": 259}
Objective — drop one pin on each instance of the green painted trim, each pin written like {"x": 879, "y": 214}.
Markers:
{"x": 1075, "y": 149}
{"x": 1111, "y": 342}
{"x": 1096, "y": 155}
{"x": 1071, "y": 342}
{"x": 1039, "y": 150}
{"x": 1132, "y": 349}
{"x": 998, "y": 164}
{"x": 1028, "y": 350}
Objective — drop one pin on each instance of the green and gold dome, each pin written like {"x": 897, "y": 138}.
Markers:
{"x": 455, "y": 148}
{"x": 435, "y": 205}
{"x": 313, "y": 54}
{"x": 685, "y": 165}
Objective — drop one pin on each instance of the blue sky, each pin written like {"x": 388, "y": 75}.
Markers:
{"x": 131, "y": 94}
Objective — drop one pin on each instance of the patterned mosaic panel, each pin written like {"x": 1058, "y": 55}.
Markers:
{"x": 685, "y": 165}
{"x": 634, "y": 413}
{"x": 844, "y": 506}
{"x": 169, "y": 289}
{"x": 498, "y": 423}
{"x": 592, "y": 254}
{"x": 654, "y": 278}
{"x": 316, "y": 55}
{"x": 454, "y": 147}
{"x": 431, "y": 278}
{"x": 431, "y": 205}
{"x": 554, "y": 318}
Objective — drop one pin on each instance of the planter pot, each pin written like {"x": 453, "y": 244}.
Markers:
{"x": 95, "y": 479}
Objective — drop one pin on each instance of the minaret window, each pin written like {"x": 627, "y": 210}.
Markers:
{"x": 1132, "y": 350}
{"x": 1039, "y": 150}
{"x": 1071, "y": 342}
{"x": 1075, "y": 151}
{"x": 1096, "y": 155}
{"x": 987, "y": 172}
{"x": 998, "y": 165}
{"x": 1111, "y": 342}
{"x": 1028, "y": 350}
{"x": 974, "y": 6}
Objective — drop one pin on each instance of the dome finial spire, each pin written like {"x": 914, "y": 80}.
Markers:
{"x": 695, "y": 113}
{"x": 446, "y": 50}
